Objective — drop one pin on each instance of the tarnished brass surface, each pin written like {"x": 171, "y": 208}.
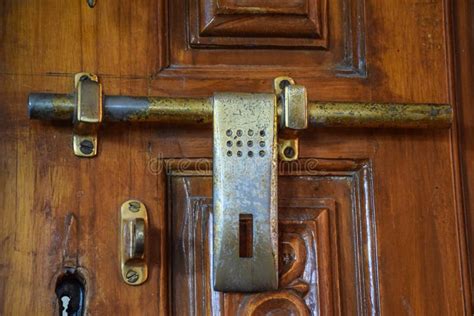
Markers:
{"x": 245, "y": 185}
{"x": 377, "y": 115}
{"x": 175, "y": 110}
{"x": 62, "y": 105}
{"x": 133, "y": 239}
{"x": 199, "y": 111}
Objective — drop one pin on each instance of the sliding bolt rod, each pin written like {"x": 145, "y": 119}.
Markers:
{"x": 166, "y": 110}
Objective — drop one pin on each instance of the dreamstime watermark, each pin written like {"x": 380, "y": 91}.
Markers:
{"x": 157, "y": 165}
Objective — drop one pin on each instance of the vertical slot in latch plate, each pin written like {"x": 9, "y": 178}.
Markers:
{"x": 245, "y": 193}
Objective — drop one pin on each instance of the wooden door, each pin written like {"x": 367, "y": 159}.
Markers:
{"x": 370, "y": 221}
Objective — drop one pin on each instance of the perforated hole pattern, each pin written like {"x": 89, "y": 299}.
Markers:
{"x": 236, "y": 140}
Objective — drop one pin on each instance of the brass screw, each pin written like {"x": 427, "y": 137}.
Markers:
{"x": 86, "y": 147}
{"x": 132, "y": 276}
{"x": 134, "y": 206}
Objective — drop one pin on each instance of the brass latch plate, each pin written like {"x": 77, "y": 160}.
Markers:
{"x": 245, "y": 192}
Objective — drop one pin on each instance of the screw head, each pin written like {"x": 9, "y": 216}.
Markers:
{"x": 289, "y": 152}
{"x": 134, "y": 206}
{"x": 132, "y": 276}
{"x": 87, "y": 147}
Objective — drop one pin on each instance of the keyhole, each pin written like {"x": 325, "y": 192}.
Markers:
{"x": 70, "y": 291}
{"x": 65, "y": 300}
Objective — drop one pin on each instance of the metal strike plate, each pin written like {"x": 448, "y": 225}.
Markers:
{"x": 245, "y": 236}
{"x": 133, "y": 235}
{"x": 88, "y": 114}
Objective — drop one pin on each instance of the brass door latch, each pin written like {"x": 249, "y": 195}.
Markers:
{"x": 251, "y": 130}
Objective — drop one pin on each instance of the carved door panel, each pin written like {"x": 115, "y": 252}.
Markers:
{"x": 328, "y": 262}
{"x": 370, "y": 220}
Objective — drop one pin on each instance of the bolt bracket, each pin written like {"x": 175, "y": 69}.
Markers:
{"x": 87, "y": 114}
{"x": 294, "y": 116}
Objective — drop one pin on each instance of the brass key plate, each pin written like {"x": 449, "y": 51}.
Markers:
{"x": 245, "y": 192}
